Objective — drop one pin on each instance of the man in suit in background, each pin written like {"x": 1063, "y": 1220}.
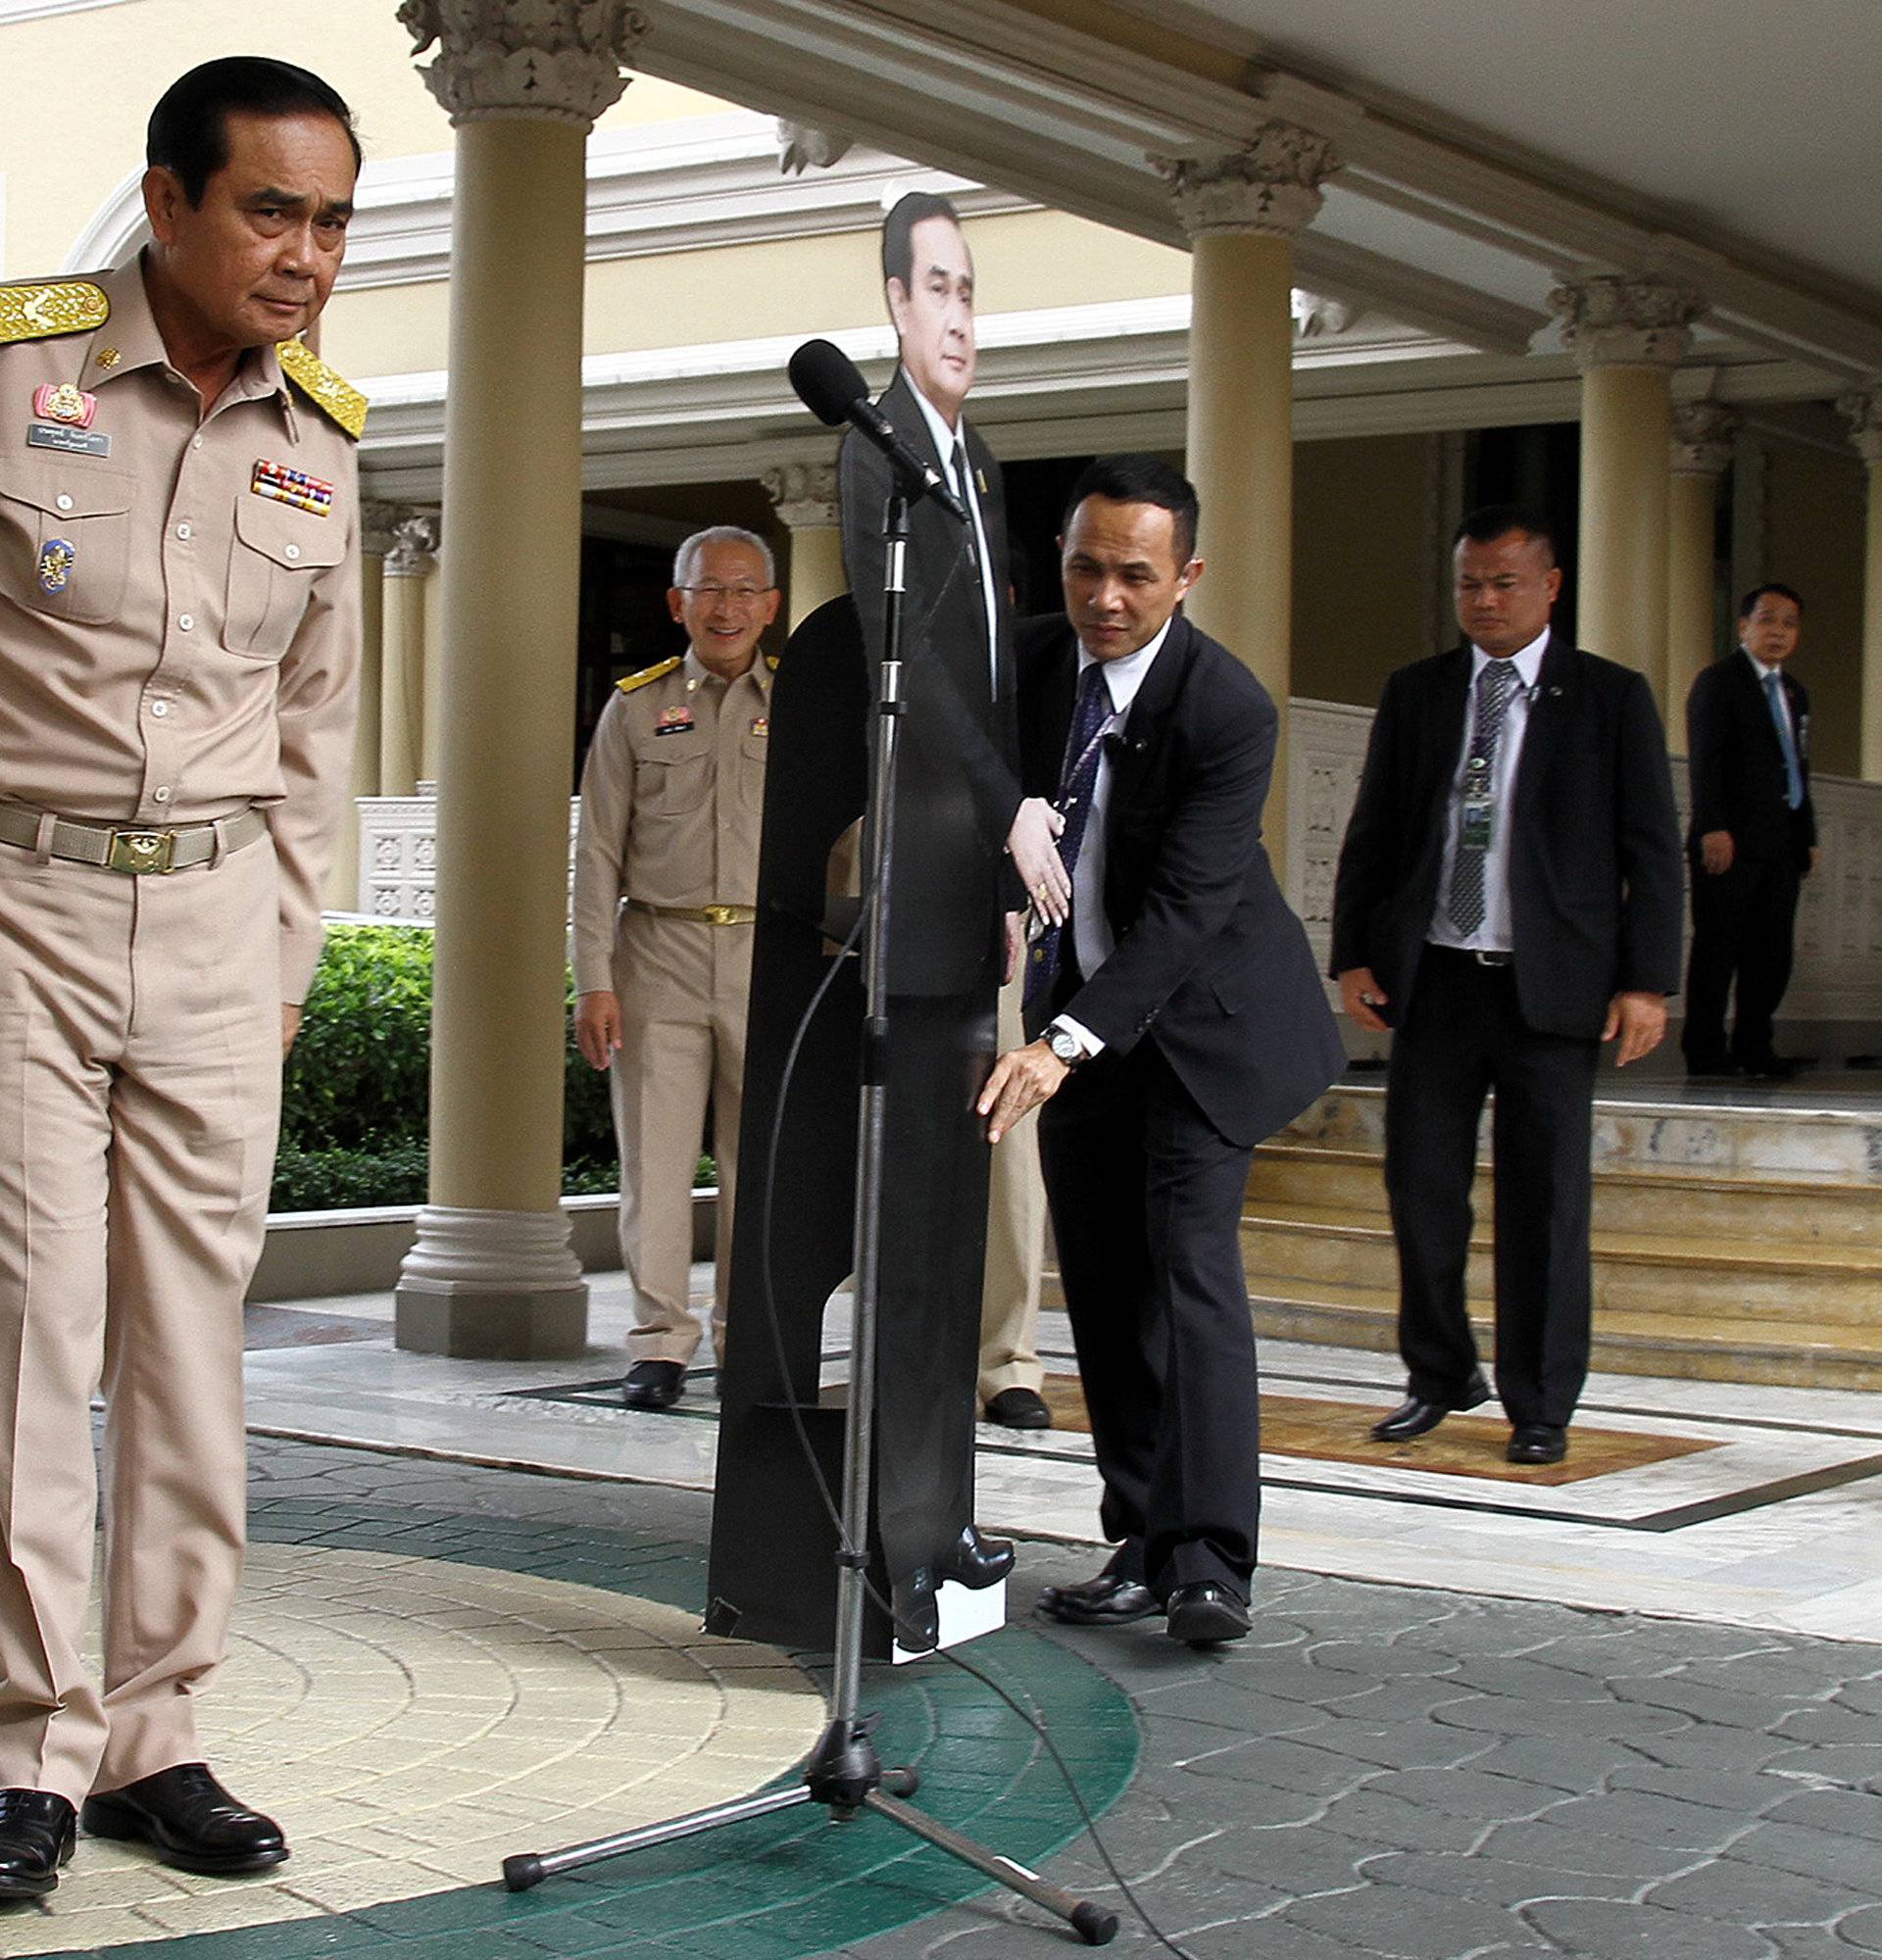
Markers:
{"x": 1507, "y": 898}
{"x": 1753, "y": 836}
{"x": 958, "y": 808}
{"x": 1183, "y": 1022}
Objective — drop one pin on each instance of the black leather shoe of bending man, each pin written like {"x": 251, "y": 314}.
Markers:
{"x": 918, "y": 1613}
{"x": 1414, "y": 1416}
{"x": 37, "y": 1835}
{"x": 976, "y": 1561}
{"x": 1108, "y": 1601}
{"x": 193, "y": 1821}
{"x": 1204, "y": 1614}
{"x": 1537, "y": 1443}
{"x": 654, "y": 1385}
{"x": 1019, "y": 1408}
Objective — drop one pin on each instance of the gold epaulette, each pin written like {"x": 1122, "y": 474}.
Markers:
{"x": 631, "y": 681}
{"x": 63, "y": 305}
{"x": 336, "y": 399}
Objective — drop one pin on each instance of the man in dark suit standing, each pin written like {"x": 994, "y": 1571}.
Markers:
{"x": 967, "y": 847}
{"x": 1183, "y": 1022}
{"x": 1753, "y": 836}
{"x": 1507, "y": 898}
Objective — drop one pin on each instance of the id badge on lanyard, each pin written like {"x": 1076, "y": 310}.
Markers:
{"x": 1477, "y": 815}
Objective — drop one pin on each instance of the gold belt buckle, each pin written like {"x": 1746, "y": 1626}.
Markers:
{"x": 142, "y": 851}
{"x": 720, "y": 914}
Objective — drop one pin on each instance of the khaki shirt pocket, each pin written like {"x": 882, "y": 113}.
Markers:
{"x": 65, "y": 540}
{"x": 754, "y": 750}
{"x": 272, "y": 558}
{"x": 673, "y": 784}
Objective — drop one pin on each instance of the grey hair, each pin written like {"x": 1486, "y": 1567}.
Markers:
{"x": 686, "y": 559}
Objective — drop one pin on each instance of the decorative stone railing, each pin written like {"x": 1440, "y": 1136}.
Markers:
{"x": 1838, "y": 933}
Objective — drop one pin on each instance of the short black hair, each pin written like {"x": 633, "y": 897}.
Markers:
{"x": 1137, "y": 478}
{"x": 1491, "y": 522}
{"x": 898, "y": 232}
{"x": 1770, "y": 590}
{"x": 188, "y": 131}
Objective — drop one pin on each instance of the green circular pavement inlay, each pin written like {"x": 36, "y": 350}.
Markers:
{"x": 781, "y": 1887}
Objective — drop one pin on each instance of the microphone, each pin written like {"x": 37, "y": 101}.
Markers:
{"x": 831, "y": 386}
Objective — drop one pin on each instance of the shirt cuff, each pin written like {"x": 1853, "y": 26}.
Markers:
{"x": 1079, "y": 1033}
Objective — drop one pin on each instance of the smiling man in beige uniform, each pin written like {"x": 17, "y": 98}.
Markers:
{"x": 179, "y": 648}
{"x": 672, "y": 795}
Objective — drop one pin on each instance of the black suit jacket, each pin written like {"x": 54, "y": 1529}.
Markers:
{"x": 1210, "y": 966}
{"x": 1738, "y": 762}
{"x": 1595, "y": 887}
{"x": 958, "y": 762}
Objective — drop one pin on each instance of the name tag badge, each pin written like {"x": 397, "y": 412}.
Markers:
{"x": 68, "y": 441}
{"x": 1477, "y": 825}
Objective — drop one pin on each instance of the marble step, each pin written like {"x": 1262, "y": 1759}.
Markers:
{"x": 1812, "y": 1213}
{"x": 1633, "y": 1271}
{"x": 1806, "y": 1354}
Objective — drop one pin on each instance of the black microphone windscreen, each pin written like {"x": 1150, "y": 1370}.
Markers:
{"x": 828, "y": 381}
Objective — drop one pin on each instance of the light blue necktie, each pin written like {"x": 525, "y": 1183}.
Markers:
{"x": 1793, "y": 775}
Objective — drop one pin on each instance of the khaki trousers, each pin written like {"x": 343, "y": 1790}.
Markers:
{"x": 1015, "y": 1238}
{"x": 139, "y": 1098}
{"x": 683, "y": 989}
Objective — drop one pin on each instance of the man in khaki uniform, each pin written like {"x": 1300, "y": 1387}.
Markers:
{"x": 178, "y": 649}
{"x": 665, "y": 887}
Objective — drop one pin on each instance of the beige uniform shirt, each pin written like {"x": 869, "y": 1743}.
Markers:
{"x": 672, "y": 796}
{"x": 180, "y": 633}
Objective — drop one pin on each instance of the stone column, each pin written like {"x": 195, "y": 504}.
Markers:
{"x": 409, "y": 568}
{"x": 804, "y": 497}
{"x": 375, "y": 541}
{"x": 492, "y": 1272}
{"x": 1242, "y": 214}
{"x": 431, "y": 691}
{"x": 1628, "y": 334}
{"x": 1702, "y": 447}
{"x": 1864, "y": 413}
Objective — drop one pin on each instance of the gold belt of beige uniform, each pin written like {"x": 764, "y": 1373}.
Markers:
{"x": 698, "y": 915}
{"x": 134, "y": 849}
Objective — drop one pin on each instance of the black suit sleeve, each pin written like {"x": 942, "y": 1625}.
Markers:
{"x": 1218, "y": 787}
{"x": 1647, "y": 838}
{"x": 1709, "y": 748}
{"x": 1368, "y": 868}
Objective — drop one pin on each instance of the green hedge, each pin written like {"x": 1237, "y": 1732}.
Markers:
{"x": 356, "y": 1096}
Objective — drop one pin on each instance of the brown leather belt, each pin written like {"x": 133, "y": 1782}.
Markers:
{"x": 698, "y": 915}
{"x": 129, "y": 847}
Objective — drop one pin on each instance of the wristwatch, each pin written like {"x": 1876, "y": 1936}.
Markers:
{"x": 1065, "y": 1045}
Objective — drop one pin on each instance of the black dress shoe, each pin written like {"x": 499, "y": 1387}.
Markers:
{"x": 918, "y": 1613}
{"x": 1414, "y": 1416}
{"x": 1204, "y": 1614}
{"x": 654, "y": 1385}
{"x": 1108, "y": 1601}
{"x": 193, "y": 1821}
{"x": 37, "y": 1835}
{"x": 1019, "y": 1408}
{"x": 1537, "y": 1443}
{"x": 976, "y": 1561}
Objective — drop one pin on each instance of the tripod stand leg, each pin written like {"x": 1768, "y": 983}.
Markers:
{"x": 1093, "y": 1924}
{"x": 530, "y": 1868}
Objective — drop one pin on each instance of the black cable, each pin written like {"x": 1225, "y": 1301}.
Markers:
{"x": 826, "y": 1498}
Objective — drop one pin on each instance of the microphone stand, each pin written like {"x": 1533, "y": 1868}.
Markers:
{"x": 843, "y": 1773}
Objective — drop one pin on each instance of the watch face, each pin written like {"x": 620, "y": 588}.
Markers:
{"x": 1065, "y": 1045}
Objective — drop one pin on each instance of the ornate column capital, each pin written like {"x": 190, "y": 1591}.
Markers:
{"x": 803, "y": 146}
{"x": 415, "y": 545}
{"x": 378, "y": 525}
{"x": 1702, "y": 433}
{"x": 1615, "y": 319}
{"x": 1270, "y": 185}
{"x": 1863, "y": 411}
{"x": 553, "y": 61}
{"x": 803, "y": 493}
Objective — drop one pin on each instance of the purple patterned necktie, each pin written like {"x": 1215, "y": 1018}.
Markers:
{"x": 1078, "y": 777}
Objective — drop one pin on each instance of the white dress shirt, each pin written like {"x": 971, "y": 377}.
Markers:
{"x": 1493, "y": 933}
{"x": 1092, "y": 938}
{"x": 944, "y": 442}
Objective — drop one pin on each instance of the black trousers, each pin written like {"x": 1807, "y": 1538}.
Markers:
{"x": 1146, "y": 1201}
{"x": 1461, "y": 1037}
{"x": 1744, "y": 923}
